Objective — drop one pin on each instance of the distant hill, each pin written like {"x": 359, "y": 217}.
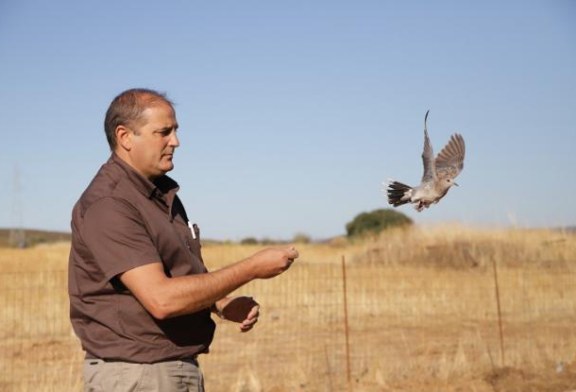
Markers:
{"x": 34, "y": 237}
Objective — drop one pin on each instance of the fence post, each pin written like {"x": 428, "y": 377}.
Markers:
{"x": 346, "y": 329}
{"x": 497, "y": 288}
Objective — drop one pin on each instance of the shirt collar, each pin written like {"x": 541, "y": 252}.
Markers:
{"x": 160, "y": 187}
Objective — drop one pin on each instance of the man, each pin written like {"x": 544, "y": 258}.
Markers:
{"x": 140, "y": 295}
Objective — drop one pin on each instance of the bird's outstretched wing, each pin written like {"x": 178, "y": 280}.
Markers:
{"x": 427, "y": 156}
{"x": 450, "y": 161}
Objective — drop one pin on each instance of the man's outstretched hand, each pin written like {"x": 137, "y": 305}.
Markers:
{"x": 271, "y": 262}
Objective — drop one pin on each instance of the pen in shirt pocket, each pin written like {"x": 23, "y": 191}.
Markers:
{"x": 193, "y": 229}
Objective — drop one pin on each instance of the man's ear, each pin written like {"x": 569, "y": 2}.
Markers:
{"x": 124, "y": 137}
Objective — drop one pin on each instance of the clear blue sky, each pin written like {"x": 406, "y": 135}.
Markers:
{"x": 293, "y": 113}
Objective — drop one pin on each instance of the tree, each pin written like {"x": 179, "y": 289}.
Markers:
{"x": 376, "y": 221}
{"x": 301, "y": 238}
{"x": 249, "y": 241}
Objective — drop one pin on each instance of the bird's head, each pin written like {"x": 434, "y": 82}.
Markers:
{"x": 446, "y": 183}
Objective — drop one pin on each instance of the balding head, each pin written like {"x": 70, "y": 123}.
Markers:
{"x": 127, "y": 108}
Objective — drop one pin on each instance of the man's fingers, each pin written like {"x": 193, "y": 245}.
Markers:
{"x": 254, "y": 313}
{"x": 292, "y": 253}
{"x": 251, "y": 319}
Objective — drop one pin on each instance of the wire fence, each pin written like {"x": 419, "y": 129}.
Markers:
{"x": 340, "y": 326}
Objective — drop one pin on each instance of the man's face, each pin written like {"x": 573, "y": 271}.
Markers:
{"x": 154, "y": 141}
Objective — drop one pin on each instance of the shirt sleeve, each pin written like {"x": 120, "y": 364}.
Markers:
{"x": 114, "y": 232}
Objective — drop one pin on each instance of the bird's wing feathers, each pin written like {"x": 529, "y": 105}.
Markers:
{"x": 428, "y": 156}
{"x": 450, "y": 161}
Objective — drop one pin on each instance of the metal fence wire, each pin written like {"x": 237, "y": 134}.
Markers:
{"x": 341, "y": 326}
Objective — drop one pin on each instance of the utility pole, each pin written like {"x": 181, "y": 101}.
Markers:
{"x": 17, "y": 234}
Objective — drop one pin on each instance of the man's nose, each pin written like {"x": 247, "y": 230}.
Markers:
{"x": 174, "y": 142}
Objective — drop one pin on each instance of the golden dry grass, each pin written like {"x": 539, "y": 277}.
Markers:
{"x": 422, "y": 316}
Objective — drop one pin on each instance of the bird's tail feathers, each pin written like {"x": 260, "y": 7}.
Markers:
{"x": 399, "y": 193}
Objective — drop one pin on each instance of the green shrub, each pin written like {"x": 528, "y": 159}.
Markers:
{"x": 301, "y": 238}
{"x": 376, "y": 221}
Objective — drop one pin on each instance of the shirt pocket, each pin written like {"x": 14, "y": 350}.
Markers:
{"x": 194, "y": 244}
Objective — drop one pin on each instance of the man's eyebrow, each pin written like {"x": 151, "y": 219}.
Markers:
{"x": 167, "y": 128}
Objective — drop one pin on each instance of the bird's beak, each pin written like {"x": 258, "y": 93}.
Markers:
{"x": 456, "y": 184}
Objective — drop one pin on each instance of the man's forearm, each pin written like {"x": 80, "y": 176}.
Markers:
{"x": 166, "y": 297}
{"x": 189, "y": 294}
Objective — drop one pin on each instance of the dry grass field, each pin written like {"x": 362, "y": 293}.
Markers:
{"x": 409, "y": 310}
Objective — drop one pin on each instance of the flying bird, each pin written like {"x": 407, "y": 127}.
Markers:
{"x": 438, "y": 177}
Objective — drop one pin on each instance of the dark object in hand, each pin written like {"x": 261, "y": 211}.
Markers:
{"x": 238, "y": 309}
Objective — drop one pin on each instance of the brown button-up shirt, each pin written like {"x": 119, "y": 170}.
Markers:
{"x": 123, "y": 221}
